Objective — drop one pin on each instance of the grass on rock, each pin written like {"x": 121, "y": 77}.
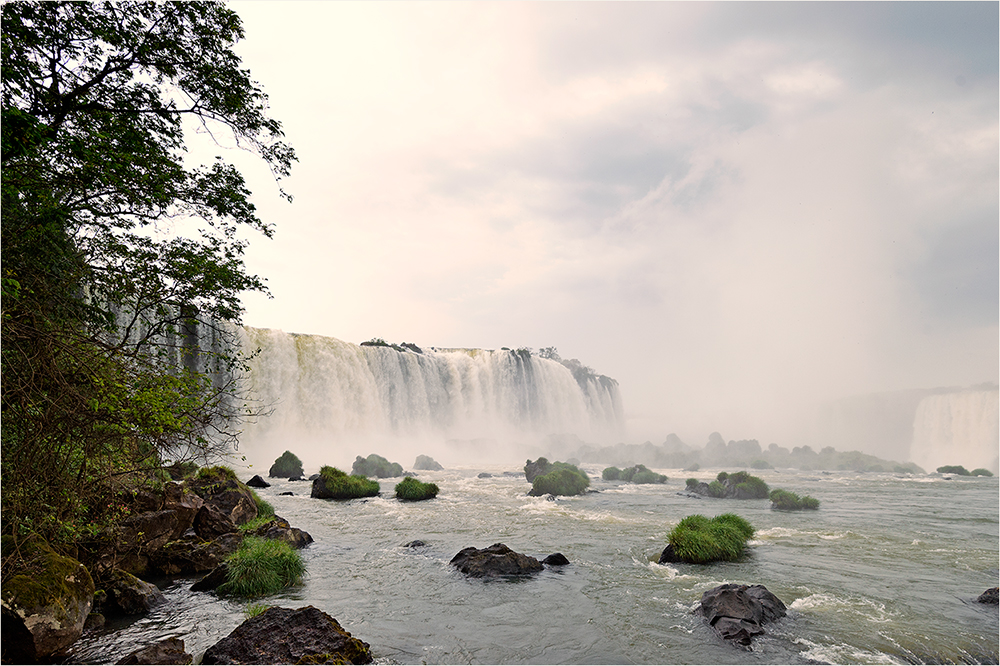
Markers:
{"x": 699, "y": 540}
{"x": 413, "y": 490}
{"x": 261, "y": 567}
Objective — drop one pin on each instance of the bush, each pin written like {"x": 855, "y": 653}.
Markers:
{"x": 564, "y": 479}
{"x": 642, "y": 474}
{"x": 335, "y": 484}
{"x": 286, "y": 466}
{"x": 691, "y": 483}
{"x": 761, "y": 464}
{"x": 981, "y": 471}
{"x": 611, "y": 474}
{"x": 411, "y": 489}
{"x": 953, "y": 469}
{"x": 721, "y": 478}
{"x": 716, "y": 489}
{"x": 377, "y": 466}
{"x": 785, "y": 500}
{"x": 217, "y": 474}
{"x": 752, "y": 488}
{"x": 698, "y": 540}
{"x": 261, "y": 567}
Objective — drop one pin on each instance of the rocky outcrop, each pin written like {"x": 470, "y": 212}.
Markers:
{"x": 127, "y": 595}
{"x": 257, "y": 482}
{"x": 737, "y": 612}
{"x": 556, "y": 560}
{"x": 167, "y": 651}
{"x": 537, "y": 468}
{"x": 279, "y": 528}
{"x": 497, "y": 560}
{"x": 227, "y": 495}
{"x": 192, "y": 555}
{"x": 289, "y": 636}
{"x": 214, "y": 579}
{"x": 427, "y": 463}
{"x": 990, "y": 596}
{"x": 210, "y": 523}
{"x": 44, "y": 609}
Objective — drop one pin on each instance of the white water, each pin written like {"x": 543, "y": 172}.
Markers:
{"x": 333, "y": 400}
{"x": 958, "y": 428}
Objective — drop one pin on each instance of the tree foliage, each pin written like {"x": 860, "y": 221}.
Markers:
{"x": 103, "y": 292}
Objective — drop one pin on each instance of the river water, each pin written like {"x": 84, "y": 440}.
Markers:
{"x": 886, "y": 571}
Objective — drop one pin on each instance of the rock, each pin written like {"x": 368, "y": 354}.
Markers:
{"x": 737, "y": 612}
{"x": 228, "y": 495}
{"x": 211, "y": 523}
{"x": 484, "y": 475}
{"x": 415, "y": 544}
{"x": 990, "y": 596}
{"x": 127, "y": 595}
{"x": 376, "y": 466}
{"x": 94, "y": 622}
{"x": 146, "y": 532}
{"x": 287, "y": 466}
{"x": 497, "y": 560}
{"x": 184, "y": 504}
{"x": 668, "y": 556}
{"x": 214, "y": 579}
{"x": 289, "y": 636}
{"x": 537, "y": 468}
{"x": 257, "y": 482}
{"x": 167, "y": 651}
{"x": 289, "y": 492}
{"x": 427, "y": 463}
{"x": 313, "y": 477}
{"x": 556, "y": 560}
{"x": 278, "y": 528}
{"x": 192, "y": 555}
{"x": 44, "y": 609}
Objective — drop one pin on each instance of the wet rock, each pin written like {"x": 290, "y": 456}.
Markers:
{"x": 167, "y": 651}
{"x": 211, "y": 523}
{"x": 228, "y": 496}
{"x": 427, "y": 463}
{"x": 415, "y": 544}
{"x": 668, "y": 556}
{"x": 497, "y": 560}
{"x": 192, "y": 555}
{"x": 556, "y": 560}
{"x": 214, "y": 579}
{"x": 737, "y": 612}
{"x": 257, "y": 482}
{"x": 484, "y": 475}
{"x": 278, "y": 528}
{"x": 990, "y": 596}
{"x": 537, "y": 468}
{"x": 288, "y": 636}
{"x": 127, "y": 595}
{"x": 289, "y": 492}
{"x": 184, "y": 504}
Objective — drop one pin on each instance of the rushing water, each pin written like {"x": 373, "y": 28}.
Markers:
{"x": 887, "y": 571}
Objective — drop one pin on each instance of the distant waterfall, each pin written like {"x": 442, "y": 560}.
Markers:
{"x": 957, "y": 428}
{"x": 333, "y": 400}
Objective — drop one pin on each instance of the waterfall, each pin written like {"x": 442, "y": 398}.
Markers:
{"x": 331, "y": 400}
{"x": 958, "y": 428}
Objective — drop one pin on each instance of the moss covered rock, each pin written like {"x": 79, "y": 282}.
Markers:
{"x": 564, "y": 479}
{"x": 45, "y": 604}
{"x": 376, "y": 466}
{"x": 785, "y": 500}
{"x": 412, "y": 490}
{"x": 286, "y": 466}
{"x": 220, "y": 487}
{"x": 700, "y": 540}
{"x": 333, "y": 483}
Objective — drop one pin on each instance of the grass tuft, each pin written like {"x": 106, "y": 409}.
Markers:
{"x": 341, "y": 486}
{"x": 699, "y": 540}
{"x": 261, "y": 567}
{"x": 413, "y": 490}
{"x": 785, "y": 500}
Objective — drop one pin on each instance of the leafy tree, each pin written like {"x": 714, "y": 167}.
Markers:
{"x": 103, "y": 299}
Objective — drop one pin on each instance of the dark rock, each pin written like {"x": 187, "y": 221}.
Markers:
{"x": 427, "y": 463}
{"x": 296, "y": 478}
{"x": 556, "y": 560}
{"x": 497, "y": 560}
{"x": 257, "y": 482}
{"x": 94, "y": 622}
{"x": 182, "y": 503}
{"x": 214, "y": 579}
{"x": 211, "y": 523}
{"x": 145, "y": 500}
{"x": 737, "y": 612}
{"x": 669, "y": 556}
{"x": 376, "y": 466}
{"x": 146, "y": 532}
{"x": 289, "y": 636}
{"x": 990, "y": 596}
{"x": 192, "y": 555}
{"x": 484, "y": 475}
{"x": 536, "y": 468}
{"x": 127, "y": 595}
{"x": 279, "y": 529}
{"x": 415, "y": 544}
{"x": 228, "y": 496}
{"x": 167, "y": 651}
{"x": 313, "y": 477}
{"x": 288, "y": 492}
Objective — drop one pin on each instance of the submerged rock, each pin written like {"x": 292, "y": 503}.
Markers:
{"x": 497, "y": 560}
{"x": 990, "y": 596}
{"x": 556, "y": 560}
{"x": 167, "y": 651}
{"x": 289, "y": 636}
{"x": 737, "y": 612}
{"x": 129, "y": 595}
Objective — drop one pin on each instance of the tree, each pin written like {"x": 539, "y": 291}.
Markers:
{"x": 101, "y": 375}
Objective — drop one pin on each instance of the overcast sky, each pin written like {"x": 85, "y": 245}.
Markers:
{"x": 735, "y": 210}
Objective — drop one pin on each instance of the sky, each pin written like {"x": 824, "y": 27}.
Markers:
{"x": 739, "y": 211}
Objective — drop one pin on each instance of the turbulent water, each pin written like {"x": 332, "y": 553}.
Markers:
{"x": 886, "y": 571}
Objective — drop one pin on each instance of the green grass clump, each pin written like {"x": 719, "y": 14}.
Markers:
{"x": 699, "y": 540}
{"x": 261, "y": 567}
{"x": 691, "y": 483}
{"x": 722, "y": 476}
{"x": 642, "y": 474}
{"x": 253, "y": 610}
{"x": 785, "y": 500}
{"x": 264, "y": 508}
{"x": 753, "y": 486}
{"x": 981, "y": 471}
{"x": 341, "y": 486}
{"x": 565, "y": 479}
{"x": 716, "y": 489}
{"x": 217, "y": 473}
{"x": 953, "y": 469}
{"x": 286, "y": 466}
{"x": 611, "y": 474}
{"x": 413, "y": 490}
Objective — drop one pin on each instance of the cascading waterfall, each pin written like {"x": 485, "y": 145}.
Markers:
{"x": 957, "y": 428}
{"x": 330, "y": 400}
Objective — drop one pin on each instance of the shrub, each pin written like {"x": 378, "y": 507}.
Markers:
{"x": 338, "y": 485}
{"x": 411, "y": 489}
{"x": 377, "y": 466}
{"x": 716, "y": 489}
{"x": 691, "y": 483}
{"x": 611, "y": 474}
{"x": 761, "y": 464}
{"x": 647, "y": 476}
{"x": 698, "y": 540}
{"x": 953, "y": 469}
{"x": 286, "y": 466}
{"x": 261, "y": 567}
{"x": 564, "y": 479}
{"x": 810, "y": 502}
{"x": 753, "y": 488}
{"x": 721, "y": 478}
{"x": 218, "y": 474}
{"x": 785, "y": 500}
{"x": 981, "y": 471}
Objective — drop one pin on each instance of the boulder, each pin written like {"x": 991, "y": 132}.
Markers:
{"x": 228, "y": 496}
{"x": 45, "y": 608}
{"x": 990, "y": 596}
{"x": 427, "y": 463}
{"x": 556, "y": 560}
{"x": 536, "y": 468}
{"x": 288, "y": 636}
{"x": 192, "y": 555}
{"x": 127, "y": 595}
{"x": 287, "y": 466}
{"x": 146, "y": 532}
{"x": 184, "y": 504}
{"x": 417, "y": 543}
{"x": 278, "y": 528}
{"x": 484, "y": 475}
{"x": 214, "y": 579}
{"x": 257, "y": 482}
{"x": 211, "y": 523}
{"x": 737, "y": 612}
{"x": 497, "y": 560}
{"x": 288, "y": 492}
{"x": 167, "y": 651}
